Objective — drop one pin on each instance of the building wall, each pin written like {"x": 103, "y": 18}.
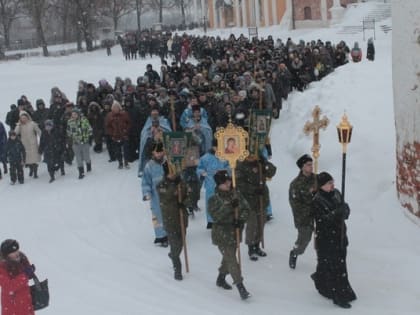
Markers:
{"x": 406, "y": 81}
{"x": 230, "y": 18}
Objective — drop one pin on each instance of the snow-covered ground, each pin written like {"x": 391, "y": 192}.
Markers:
{"x": 93, "y": 237}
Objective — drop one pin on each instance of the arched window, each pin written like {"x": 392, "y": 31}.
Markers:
{"x": 307, "y": 11}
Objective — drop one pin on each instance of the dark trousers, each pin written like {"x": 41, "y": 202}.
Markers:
{"x": 120, "y": 149}
{"x": 133, "y": 148}
{"x": 16, "y": 172}
{"x": 110, "y": 147}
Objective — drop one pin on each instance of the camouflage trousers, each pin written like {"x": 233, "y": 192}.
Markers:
{"x": 229, "y": 263}
{"x": 303, "y": 239}
{"x": 254, "y": 228}
{"x": 175, "y": 243}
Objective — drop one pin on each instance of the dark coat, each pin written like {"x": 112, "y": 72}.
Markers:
{"x": 3, "y": 141}
{"x": 15, "y": 151}
{"x": 331, "y": 279}
{"x": 51, "y": 146}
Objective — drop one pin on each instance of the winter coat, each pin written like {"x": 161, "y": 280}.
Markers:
{"x": 118, "y": 125}
{"x": 79, "y": 130}
{"x": 300, "y": 199}
{"x": 209, "y": 163}
{"x": 370, "y": 55}
{"x": 97, "y": 121}
{"x": 15, "y": 293}
{"x": 223, "y": 214}
{"x": 15, "y": 151}
{"x": 40, "y": 116}
{"x": 29, "y": 134}
{"x": 51, "y": 146}
{"x": 3, "y": 140}
{"x": 12, "y": 118}
{"x": 330, "y": 226}
{"x": 171, "y": 206}
{"x": 252, "y": 185}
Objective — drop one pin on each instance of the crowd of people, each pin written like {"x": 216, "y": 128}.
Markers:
{"x": 232, "y": 77}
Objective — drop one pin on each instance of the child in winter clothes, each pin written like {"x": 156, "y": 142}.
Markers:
{"x": 52, "y": 148}
{"x": 16, "y": 156}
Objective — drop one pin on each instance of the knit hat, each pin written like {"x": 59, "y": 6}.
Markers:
{"x": 303, "y": 160}
{"x": 9, "y": 246}
{"x": 323, "y": 178}
{"x": 221, "y": 177}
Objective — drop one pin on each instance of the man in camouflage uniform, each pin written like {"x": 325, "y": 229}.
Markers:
{"x": 222, "y": 207}
{"x": 252, "y": 183}
{"x": 301, "y": 192}
{"x": 172, "y": 205}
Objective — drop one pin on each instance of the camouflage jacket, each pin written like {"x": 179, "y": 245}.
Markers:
{"x": 171, "y": 206}
{"x": 223, "y": 214}
{"x": 300, "y": 199}
{"x": 250, "y": 183}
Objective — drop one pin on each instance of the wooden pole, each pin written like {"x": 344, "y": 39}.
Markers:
{"x": 237, "y": 230}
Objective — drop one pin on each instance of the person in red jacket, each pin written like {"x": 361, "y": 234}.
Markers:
{"x": 15, "y": 272}
{"x": 117, "y": 124}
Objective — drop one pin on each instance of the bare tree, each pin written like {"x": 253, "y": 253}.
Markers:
{"x": 62, "y": 10}
{"x": 37, "y": 9}
{"x": 159, "y": 5}
{"x": 84, "y": 14}
{"x": 116, "y": 9}
{"x": 9, "y": 11}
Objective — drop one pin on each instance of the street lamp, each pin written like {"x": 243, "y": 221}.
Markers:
{"x": 344, "y": 130}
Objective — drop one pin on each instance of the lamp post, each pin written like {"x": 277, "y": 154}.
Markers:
{"x": 344, "y": 130}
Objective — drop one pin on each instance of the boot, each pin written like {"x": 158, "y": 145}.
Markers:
{"x": 120, "y": 165}
{"x": 88, "y": 167}
{"x": 259, "y": 251}
{"x": 62, "y": 171}
{"x": 5, "y": 168}
{"x": 35, "y": 168}
{"x": 292, "y": 259}
{"x": 242, "y": 291}
{"x": 221, "y": 282}
{"x": 126, "y": 165}
{"x": 81, "y": 172}
{"x": 252, "y": 253}
{"x": 31, "y": 170}
{"x": 176, "y": 262}
{"x": 52, "y": 177}
{"x": 342, "y": 304}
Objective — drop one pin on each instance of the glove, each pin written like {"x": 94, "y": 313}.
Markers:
{"x": 145, "y": 198}
{"x": 235, "y": 202}
{"x": 259, "y": 191}
{"x": 29, "y": 271}
{"x": 39, "y": 151}
{"x": 237, "y": 224}
{"x": 344, "y": 210}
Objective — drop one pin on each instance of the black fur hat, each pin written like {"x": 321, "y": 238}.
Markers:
{"x": 9, "y": 246}
{"x": 221, "y": 177}
{"x": 303, "y": 160}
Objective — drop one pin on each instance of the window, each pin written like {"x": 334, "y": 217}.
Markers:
{"x": 307, "y": 11}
